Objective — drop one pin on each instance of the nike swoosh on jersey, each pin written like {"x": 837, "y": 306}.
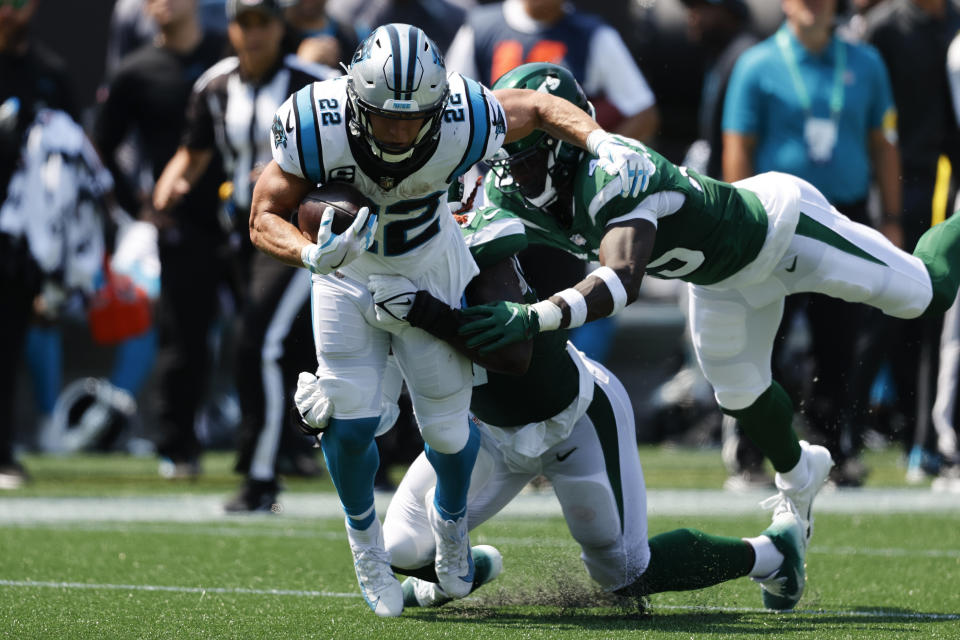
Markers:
{"x": 562, "y": 457}
{"x": 793, "y": 265}
{"x": 512, "y": 316}
{"x": 287, "y": 126}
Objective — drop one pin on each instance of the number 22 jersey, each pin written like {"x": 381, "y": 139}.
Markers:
{"x": 312, "y": 140}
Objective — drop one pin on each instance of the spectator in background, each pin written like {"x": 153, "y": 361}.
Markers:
{"x": 320, "y": 38}
{"x": 721, "y": 28}
{"x": 147, "y": 95}
{"x": 440, "y": 18}
{"x": 501, "y": 36}
{"x": 231, "y": 110}
{"x": 131, "y": 27}
{"x": 31, "y": 78}
{"x": 807, "y": 103}
{"x": 912, "y": 37}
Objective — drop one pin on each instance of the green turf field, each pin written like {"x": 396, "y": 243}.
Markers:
{"x": 73, "y": 570}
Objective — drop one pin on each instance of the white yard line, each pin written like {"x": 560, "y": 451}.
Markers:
{"x": 32, "y": 584}
{"x": 209, "y": 508}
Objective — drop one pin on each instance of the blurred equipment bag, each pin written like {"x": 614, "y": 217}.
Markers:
{"x": 119, "y": 309}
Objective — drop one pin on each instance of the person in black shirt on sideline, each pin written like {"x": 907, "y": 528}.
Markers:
{"x": 148, "y": 95}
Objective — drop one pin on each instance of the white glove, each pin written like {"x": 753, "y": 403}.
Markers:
{"x": 392, "y": 298}
{"x": 314, "y": 406}
{"x": 333, "y": 251}
{"x": 616, "y": 158}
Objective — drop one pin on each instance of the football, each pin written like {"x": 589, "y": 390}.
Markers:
{"x": 345, "y": 199}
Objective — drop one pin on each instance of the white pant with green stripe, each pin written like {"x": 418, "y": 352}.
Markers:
{"x": 595, "y": 473}
{"x": 733, "y": 329}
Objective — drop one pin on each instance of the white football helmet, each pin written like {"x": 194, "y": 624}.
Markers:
{"x": 397, "y": 72}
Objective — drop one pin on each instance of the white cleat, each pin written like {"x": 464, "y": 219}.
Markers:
{"x": 454, "y": 562}
{"x": 371, "y": 561}
{"x": 488, "y": 564}
{"x": 782, "y": 589}
{"x": 819, "y": 462}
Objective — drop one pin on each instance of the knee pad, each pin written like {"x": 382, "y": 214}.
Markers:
{"x": 443, "y": 421}
{"x": 589, "y": 509}
{"x": 719, "y": 329}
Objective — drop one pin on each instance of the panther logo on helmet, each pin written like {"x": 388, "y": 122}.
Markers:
{"x": 397, "y": 72}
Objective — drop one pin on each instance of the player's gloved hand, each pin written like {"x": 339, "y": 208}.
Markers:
{"x": 615, "y": 157}
{"x": 332, "y": 250}
{"x": 313, "y": 405}
{"x": 498, "y": 324}
{"x": 392, "y": 298}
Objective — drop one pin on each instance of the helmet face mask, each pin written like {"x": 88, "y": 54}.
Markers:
{"x": 396, "y": 73}
{"x": 537, "y": 166}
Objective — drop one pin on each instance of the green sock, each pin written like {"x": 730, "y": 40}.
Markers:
{"x": 768, "y": 422}
{"x": 686, "y": 559}
{"x": 938, "y": 248}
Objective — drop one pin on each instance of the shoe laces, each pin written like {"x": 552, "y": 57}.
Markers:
{"x": 372, "y": 565}
{"x": 453, "y": 551}
{"x": 780, "y": 503}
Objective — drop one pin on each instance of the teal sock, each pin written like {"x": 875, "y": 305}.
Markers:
{"x": 768, "y": 422}
{"x": 939, "y": 248}
{"x": 686, "y": 559}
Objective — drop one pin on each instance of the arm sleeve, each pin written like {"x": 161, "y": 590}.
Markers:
{"x": 612, "y": 71}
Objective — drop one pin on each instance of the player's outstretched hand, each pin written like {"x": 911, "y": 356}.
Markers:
{"x": 498, "y": 324}
{"x": 392, "y": 298}
{"x": 332, "y": 250}
{"x": 615, "y": 157}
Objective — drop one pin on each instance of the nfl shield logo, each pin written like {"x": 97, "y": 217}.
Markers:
{"x": 386, "y": 182}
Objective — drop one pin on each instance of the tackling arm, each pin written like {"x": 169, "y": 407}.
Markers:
{"x": 624, "y": 252}
{"x": 500, "y": 281}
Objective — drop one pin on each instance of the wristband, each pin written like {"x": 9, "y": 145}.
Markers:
{"x": 615, "y": 285}
{"x": 548, "y": 315}
{"x": 577, "y": 304}
{"x": 595, "y": 139}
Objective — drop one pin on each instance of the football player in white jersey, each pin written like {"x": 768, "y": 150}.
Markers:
{"x": 402, "y": 131}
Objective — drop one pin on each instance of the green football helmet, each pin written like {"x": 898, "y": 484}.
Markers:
{"x": 538, "y": 165}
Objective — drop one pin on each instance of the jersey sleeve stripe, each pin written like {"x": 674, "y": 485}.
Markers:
{"x": 308, "y": 142}
{"x": 479, "y": 128}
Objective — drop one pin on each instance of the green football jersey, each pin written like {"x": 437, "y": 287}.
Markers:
{"x": 707, "y": 230}
{"x": 553, "y": 381}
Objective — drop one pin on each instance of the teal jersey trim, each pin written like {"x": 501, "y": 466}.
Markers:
{"x": 308, "y": 140}
{"x": 479, "y": 128}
